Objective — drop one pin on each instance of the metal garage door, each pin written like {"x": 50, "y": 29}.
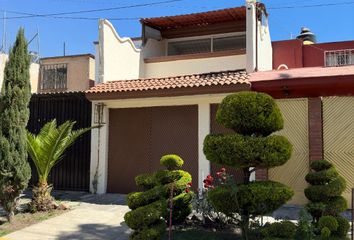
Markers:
{"x": 295, "y": 114}
{"x": 138, "y": 137}
{"x": 338, "y": 137}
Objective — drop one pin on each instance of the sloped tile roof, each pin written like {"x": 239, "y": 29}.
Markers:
{"x": 225, "y": 78}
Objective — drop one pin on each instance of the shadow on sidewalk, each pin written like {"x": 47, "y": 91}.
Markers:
{"x": 98, "y": 232}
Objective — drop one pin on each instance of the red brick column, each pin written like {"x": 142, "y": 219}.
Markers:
{"x": 261, "y": 174}
{"x": 315, "y": 129}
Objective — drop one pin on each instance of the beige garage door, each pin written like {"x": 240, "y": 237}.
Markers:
{"x": 295, "y": 114}
{"x": 338, "y": 137}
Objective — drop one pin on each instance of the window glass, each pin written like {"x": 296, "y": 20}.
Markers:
{"x": 229, "y": 43}
{"x": 189, "y": 47}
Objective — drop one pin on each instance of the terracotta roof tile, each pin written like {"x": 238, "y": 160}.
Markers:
{"x": 186, "y": 81}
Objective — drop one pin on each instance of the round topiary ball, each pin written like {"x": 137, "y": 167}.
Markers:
{"x": 343, "y": 227}
{"x": 171, "y": 161}
{"x": 250, "y": 113}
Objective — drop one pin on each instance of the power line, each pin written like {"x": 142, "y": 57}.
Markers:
{"x": 32, "y": 15}
{"x": 312, "y": 5}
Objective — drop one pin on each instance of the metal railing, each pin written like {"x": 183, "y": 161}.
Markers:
{"x": 339, "y": 58}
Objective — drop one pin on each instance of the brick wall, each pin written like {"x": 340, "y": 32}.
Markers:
{"x": 315, "y": 129}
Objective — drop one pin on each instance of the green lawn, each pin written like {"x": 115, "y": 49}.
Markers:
{"x": 203, "y": 235}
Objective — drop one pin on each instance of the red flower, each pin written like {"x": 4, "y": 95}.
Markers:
{"x": 187, "y": 190}
{"x": 222, "y": 170}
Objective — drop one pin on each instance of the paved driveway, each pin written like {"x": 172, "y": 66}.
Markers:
{"x": 97, "y": 217}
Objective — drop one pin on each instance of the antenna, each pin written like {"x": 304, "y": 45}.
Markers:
{"x": 38, "y": 41}
{"x": 64, "y": 49}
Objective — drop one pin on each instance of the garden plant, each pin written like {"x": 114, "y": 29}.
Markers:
{"x": 15, "y": 95}
{"x": 149, "y": 208}
{"x": 326, "y": 202}
{"x": 46, "y": 149}
{"x": 253, "y": 117}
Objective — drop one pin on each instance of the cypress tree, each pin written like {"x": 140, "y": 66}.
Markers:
{"x": 14, "y": 113}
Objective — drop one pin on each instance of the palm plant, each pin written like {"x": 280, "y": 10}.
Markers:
{"x": 46, "y": 149}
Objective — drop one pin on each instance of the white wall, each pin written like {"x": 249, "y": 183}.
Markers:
{"x": 34, "y": 72}
{"x": 192, "y": 66}
{"x": 119, "y": 58}
{"x": 258, "y": 42}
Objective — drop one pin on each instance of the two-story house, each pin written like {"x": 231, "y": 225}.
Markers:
{"x": 157, "y": 94}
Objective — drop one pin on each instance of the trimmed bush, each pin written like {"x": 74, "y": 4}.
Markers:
{"x": 324, "y": 193}
{"x": 328, "y": 221}
{"x": 146, "y": 181}
{"x": 250, "y": 113}
{"x": 149, "y": 209}
{"x": 245, "y": 151}
{"x": 343, "y": 227}
{"x": 258, "y": 198}
{"x": 316, "y": 193}
{"x": 320, "y": 165}
{"x": 171, "y": 162}
{"x": 325, "y": 233}
{"x": 282, "y": 230}
{"x": 253, "y": 117}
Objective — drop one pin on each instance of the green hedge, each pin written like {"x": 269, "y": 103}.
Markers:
{"x": 243, "y": 151}
{"x": 250, "y": 113}
{"x": 282, "y": 230}
{"x": 256, "y": 197}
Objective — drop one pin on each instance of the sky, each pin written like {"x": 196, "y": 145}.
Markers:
{"x": 330, "y": 20}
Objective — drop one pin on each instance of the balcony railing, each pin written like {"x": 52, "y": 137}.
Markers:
{"x": 339, "y": 58}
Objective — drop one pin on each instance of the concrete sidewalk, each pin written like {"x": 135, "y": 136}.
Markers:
{"x": 98, "y": 217}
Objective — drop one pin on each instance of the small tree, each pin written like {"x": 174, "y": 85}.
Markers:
{"x": 149, "y": 208}
{"x": 15, "y": 171}
{"x": 46, "y": 150}
{"x": 326, "y": 202}
{"x": 253, "y": 117}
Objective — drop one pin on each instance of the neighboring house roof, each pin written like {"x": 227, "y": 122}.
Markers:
{"x": 309, "y": 72}
{"x": 196, "y": 19}
{"x": 70, "y": 56}
{"x": 305, "y": 82}
{"x": 215, "y": 82}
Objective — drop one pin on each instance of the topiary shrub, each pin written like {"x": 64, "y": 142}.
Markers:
{"x": 281, "y": 230}
{"x": 149, "y": 208}
{"x": 253, "y": 117}
{"x": 326, "y": 202}
{"x": 171, "y": 161}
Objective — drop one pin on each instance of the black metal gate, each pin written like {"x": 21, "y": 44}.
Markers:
{"x": 73, "y": 172}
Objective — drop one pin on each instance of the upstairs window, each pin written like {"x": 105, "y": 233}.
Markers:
{"x": 53, "y": 77}
{"x": 189, "y": 47}
{"x": 206, "y": 45}
{"x": 339, "y": 58}
{"x": 229, "y": 43}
